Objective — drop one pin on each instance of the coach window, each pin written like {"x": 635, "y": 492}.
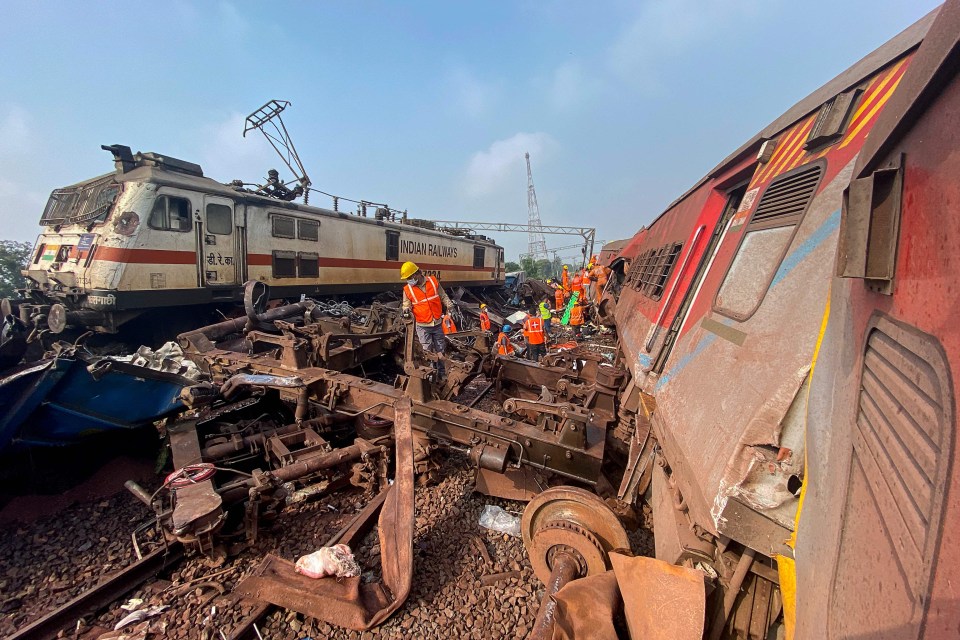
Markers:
{"x": 284, "y": 264}
{"x": 219, "y": 219}
{"x": 479, "y": 256}
{"x": 308, "y": 264}
{"x": 393, "y": 245}
{"x": 308, "y": 230}
{"x": 170, "y": 214}
{"x": 284, "y": 227}
{"x": 766, "y": 241}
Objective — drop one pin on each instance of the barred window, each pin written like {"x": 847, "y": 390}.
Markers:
{"x": 650, "y": 272}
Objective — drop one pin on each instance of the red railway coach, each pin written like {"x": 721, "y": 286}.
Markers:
{"x": 158, "y": 235}
{"x": 878, "y": 546}
{"x": 721, "y": 317}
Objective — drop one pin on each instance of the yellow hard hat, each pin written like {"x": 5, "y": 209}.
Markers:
{"x": 564, "y": 267}
{"x": 549, "y": 281}
{"x": 590, "y": 266}
{"x": 407, "y": 270}
{"x": 483, "y": 306}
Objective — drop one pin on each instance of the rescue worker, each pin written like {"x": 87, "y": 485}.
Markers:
{"x": 576, "y": 319}
{"x": 484, "y": 318}
{"x": 576, "y": 285}
{"x": 601, "y": 274}
{"x": 547, "y": 316}
{"x": 560, "y": 299}
{"x": 427, "y": 300}
{"x": 587, "y": 282}
{"x": 565, "y": 278}
{"x": 533, "y": 332}
{"x": 504, "y": 346}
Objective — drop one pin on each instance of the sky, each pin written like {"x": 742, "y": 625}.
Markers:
{"x": 425, "y": 106}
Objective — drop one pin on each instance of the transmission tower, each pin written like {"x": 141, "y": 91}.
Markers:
{"x": 536, "y": 243}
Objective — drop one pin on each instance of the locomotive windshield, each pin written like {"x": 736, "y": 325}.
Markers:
{"x": 87, "y": 203}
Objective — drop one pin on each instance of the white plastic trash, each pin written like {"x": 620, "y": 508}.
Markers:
{"x": 496, "y": 519}
{"x": 337, "y": 561}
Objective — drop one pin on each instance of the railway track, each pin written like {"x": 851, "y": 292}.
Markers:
{"x": 100, "y": 596}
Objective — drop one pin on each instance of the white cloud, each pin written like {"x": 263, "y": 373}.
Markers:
{"x": 571, "y": 85}
{"x": 489, "y": 170}
{"x": 471, "y": 95}
{"x": 225, "y": 154}
{"x": 666, "y": 28}
{"x": 232, "y": 22}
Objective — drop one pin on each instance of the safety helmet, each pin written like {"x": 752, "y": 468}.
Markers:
{"x": 506, "y": 328}
{"x": 590, "y": 266}
{"x": 407, "y": 270}
{"x": 549, "y": 281}
{"x": 483, "y": 306}
{"x": 565, "y": 267}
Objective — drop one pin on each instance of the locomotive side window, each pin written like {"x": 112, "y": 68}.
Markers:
{"x": 284, "y": 227}
{"x": 284, "y": 264}
{"x": 171, "y": 213}
{"x": 308, "y": 230}
{"x": 308, "y": 264}
{"x": 479, "y": 255}
{"x": 766, "y": 241}
{"x": 219, "y": 219}
{"x": 393, "y": 245}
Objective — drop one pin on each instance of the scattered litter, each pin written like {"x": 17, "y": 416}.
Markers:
{"x": 168, "y": 358}
{"x": 132, "y": 604}
{"x": 336, "y": 561}
{"x": 496, "y": 519}
{"x": 139, "y": 615}
{"x": 515, "y": 318}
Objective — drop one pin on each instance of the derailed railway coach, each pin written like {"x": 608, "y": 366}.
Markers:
{"x": 158, "y": 237}
{"x": 791, "y": 332}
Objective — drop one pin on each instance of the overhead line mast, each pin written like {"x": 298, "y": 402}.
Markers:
{"x": 536, "y": 243}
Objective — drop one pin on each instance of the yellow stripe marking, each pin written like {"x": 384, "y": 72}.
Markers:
{"x": 877, "y": 89}
{"x": 882, "y": 101}
{"x": 803, "y": 130}
{"x": 787, "y": 567}
{"x": 875, "y": 106}
{"x": 783, "y": 147}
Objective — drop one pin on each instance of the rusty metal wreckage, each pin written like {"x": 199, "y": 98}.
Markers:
{"x": 280, "y": 419}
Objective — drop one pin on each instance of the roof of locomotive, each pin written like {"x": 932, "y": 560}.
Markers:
{"x": 161, "y": 175}
{"x": 874, "y": 61}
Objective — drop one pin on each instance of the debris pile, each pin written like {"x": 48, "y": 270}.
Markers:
{"x": 306, "y": 430}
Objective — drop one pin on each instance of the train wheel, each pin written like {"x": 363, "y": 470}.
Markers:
{"x": 572, "y": 520}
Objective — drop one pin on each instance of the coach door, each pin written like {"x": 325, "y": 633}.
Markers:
{"x": 219, "y": 240}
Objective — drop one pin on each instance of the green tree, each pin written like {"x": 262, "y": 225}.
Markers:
{"x": 527, "y": 264}
{"x": 13, "y": 257}
{"x": 511, "y": 267}
{"x": 544, "y": 269}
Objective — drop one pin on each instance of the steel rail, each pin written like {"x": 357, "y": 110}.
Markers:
{"x": 101, "y": 595}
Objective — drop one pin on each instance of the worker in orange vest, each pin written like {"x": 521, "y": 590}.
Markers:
{"x": 533, "y": 332}
{"x": 448, "y": 325}
{"x": 558, "y": 298}
{"x": 576, "y": 319}
{"x": 565, "y": 278}
{"x": 504, "y": 346}
{"x": 576, "y": 285}
{"x": 484, "y": 318}
{"x": 424, "y": 297}
{"x": 587, "y": 282}
{"x": 601, "y": 274}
